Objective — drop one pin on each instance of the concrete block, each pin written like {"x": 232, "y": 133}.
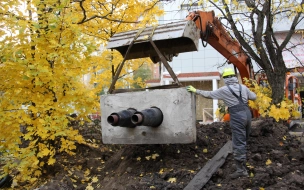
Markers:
{"x": 179, "y": 120}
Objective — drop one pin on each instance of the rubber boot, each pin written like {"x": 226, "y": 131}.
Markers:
{"x": 241, "y": 170}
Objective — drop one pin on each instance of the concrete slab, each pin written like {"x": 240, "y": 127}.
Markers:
{"x": 178, "y": 125}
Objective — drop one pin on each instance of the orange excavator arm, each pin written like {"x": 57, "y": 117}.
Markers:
{"x": 213, "y": 32}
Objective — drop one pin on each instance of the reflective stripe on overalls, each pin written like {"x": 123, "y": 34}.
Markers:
{"x": 240, "y": 123}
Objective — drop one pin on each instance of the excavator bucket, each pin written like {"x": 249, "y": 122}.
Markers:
{"x": 171, "y": 39}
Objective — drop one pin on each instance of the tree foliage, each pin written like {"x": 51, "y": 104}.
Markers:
{"x": 142, "y": 74}
{"x": 47, "y": 47}
{"x": 260, "y": 41}
{"x": 282, "y": 111}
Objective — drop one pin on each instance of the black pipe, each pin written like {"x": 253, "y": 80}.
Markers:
{"x": 152, "y": 117}
{"x": 122, "y": 118}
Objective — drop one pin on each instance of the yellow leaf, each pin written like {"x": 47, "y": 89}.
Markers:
{"x": 73, "y": 180}
{"x": 141, "y": 175}
{"x": 87, "y": 172}
{"x": 219, "y": 185}
{"x": 51, "y": 161}
{"x": 37, "y": 173}
{"x": 33, "y": 179}
{"x": 138, "y": 158}
{"x": 86, "y": 179}
{"x": 178, "y": 151}
{"x": 45, "y": 152}
{"x": 154, "y": 156}
{"x": 148, "y": 157}
{"x": 268, "y": 162}
{"x": 14, "y": 184}
{"x": 89, "y": 187}
{"x": 79, "y": 139}
{"x": 172, "y": 180}
{"x": 122, "y": 157}
{"x": 161, "y": 171}
{"x": 94, "y": 180}
{"x": 152, "y": 187}
{"x": 261, "y": 188}
{"x": 205, "y": 150}
{"x": 251, "y": 174}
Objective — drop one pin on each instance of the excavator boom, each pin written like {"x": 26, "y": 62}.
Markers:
{"x": 213, "y": 32}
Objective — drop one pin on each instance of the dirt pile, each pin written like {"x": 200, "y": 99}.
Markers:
{"x": 275, "y": 161}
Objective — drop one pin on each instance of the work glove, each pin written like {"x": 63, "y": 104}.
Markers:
{"x": 191, "y": 89}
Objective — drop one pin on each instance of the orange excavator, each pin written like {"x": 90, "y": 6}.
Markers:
{"x": 213, "y": 32}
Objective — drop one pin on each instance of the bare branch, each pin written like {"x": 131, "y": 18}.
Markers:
{"x": 291, "y": 30}
{"x": 108, "y": 15}
{"x": 239, "y": 36}
{"x": 224, "y": 15}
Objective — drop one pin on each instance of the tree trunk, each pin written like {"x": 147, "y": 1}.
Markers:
{"x": 276, "y": 79}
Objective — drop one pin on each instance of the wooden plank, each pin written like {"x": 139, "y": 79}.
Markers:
{"x": 204, "y": 175}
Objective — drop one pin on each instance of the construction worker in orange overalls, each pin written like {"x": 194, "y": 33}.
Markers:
{"x": 235, "y": 97}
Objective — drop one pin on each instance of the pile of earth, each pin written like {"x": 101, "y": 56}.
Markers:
{"x": 275, "y": 161}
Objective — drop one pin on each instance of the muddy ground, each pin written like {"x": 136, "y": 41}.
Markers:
{"x": 275, "y": 161}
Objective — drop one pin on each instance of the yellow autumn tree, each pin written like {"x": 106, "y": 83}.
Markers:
{"x": 46, "y": 49}
{"x": 103, "y": 70}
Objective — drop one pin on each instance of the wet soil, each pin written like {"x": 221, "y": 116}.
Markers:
{"x": 275, "y": 161}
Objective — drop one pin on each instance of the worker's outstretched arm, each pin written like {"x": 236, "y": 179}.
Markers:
{"x": 251, "y": 95}
{"x": 216, "y": 94}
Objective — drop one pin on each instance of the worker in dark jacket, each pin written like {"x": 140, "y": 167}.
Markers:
{"x": 235, "y": 97}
